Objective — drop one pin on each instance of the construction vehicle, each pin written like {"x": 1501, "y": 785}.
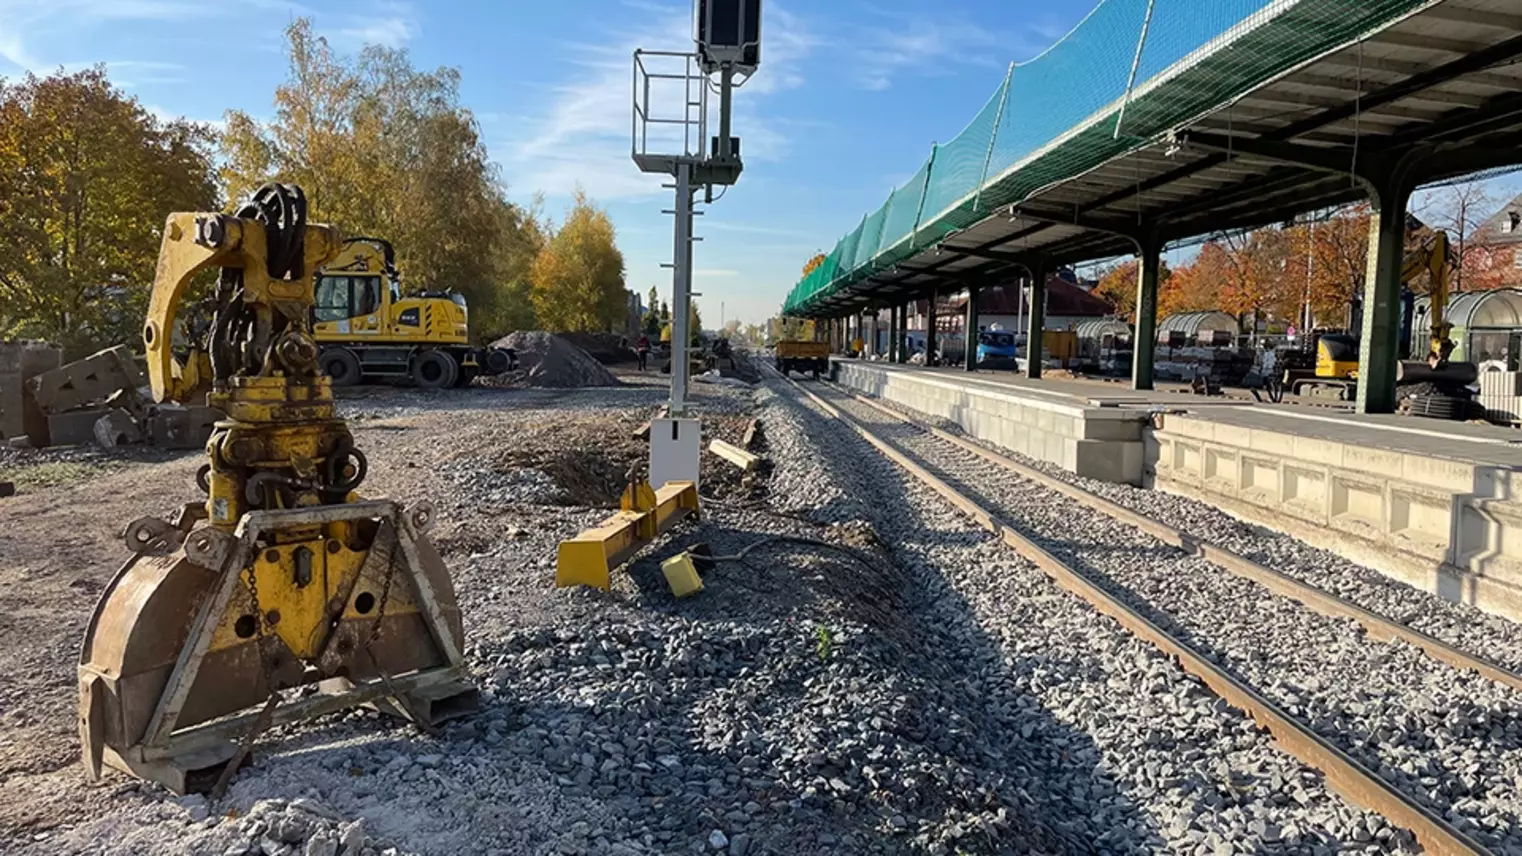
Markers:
{"x": 283, "y": 580}
{"x": 795, "y": 356}
{"x": 1337, "y": 352}
{"x": 368, "y": 327}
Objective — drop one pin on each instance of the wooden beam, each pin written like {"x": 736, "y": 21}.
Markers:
{"x": 735, "y": 455}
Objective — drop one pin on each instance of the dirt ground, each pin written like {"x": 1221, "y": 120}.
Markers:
{"x": 60, "y": 538}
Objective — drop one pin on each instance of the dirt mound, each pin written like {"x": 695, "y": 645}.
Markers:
{"x": 547, "y": 360}
{"x": 606, "y": 348}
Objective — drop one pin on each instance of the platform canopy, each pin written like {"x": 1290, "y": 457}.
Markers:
{"x": 1205, "y": 117}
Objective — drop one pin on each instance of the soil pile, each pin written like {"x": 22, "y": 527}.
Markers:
{"x": 547, "y": 360}
{"x": 606, "y": 348}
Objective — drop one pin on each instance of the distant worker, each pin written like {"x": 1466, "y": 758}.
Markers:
{"x": 642, "y": 350}
{"x": 858, "y": 346}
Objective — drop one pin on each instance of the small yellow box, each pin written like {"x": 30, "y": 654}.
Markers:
{"x": 682, "y": 575}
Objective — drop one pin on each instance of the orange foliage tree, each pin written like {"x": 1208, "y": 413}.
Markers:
{"x": 1329, "y": 261}
{"x": 813, "y": 263}
{"x": 1117, "y": 287}
{"x": 1196, "y": 286}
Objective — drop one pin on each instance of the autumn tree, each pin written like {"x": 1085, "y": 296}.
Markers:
{"x": 87, "y": 176}
{"x": 1460, "y": 210}
{"x": 1117, "y": 286}
{"x": 1328, "y": 262}
{"x": 383, "y": 148}
{"x": 1196, "y": 286}
{"x": 578, "y": 277}
{"x": 651, "y": 323}
{"x": 1259, "y": 275}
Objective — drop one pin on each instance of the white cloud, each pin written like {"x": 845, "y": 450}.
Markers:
{"x": 935, "y": 45}
{"x": 33, "y": 31}
{"x": 583, "y": 139}
{"x": 392, "y": 32}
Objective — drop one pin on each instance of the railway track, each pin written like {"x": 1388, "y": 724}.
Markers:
{"x": 1178, "y": 599}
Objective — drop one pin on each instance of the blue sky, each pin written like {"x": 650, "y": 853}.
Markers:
{"x": 848, "y": 100}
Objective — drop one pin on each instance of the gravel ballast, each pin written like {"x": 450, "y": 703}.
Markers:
{"x": 1450, "y": 739}
{"x": 913, "y": 687}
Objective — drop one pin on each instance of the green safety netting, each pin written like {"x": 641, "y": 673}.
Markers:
{"x": 1076, "y": 106}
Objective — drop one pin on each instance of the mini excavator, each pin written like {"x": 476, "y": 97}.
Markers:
{"x": 284, "y": 594}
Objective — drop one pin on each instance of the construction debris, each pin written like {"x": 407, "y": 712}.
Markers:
{"x": 548, "y": 360}
{"x": 752, "y": 434}
{"x": 20, "y": 362}
{"x": 99, "y": 399}
{"x": 117, "y": 428}
{"x": 95, "y": 378}
{"x": 734, "y": 454}
{"x": 7, "y": 489}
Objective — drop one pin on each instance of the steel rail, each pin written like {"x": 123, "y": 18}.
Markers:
{"x": 1317, "y": 599}
{"x": 1344, "y": 774}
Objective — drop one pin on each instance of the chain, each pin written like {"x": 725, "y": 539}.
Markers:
{"x": 380, "y": 613}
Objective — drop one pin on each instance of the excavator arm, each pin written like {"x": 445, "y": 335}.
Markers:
{"x": 195, "y": 242}
{"x": 1434, "y": 259}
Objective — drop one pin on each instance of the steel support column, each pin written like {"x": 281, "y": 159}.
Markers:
{"x": 970, "y": 331}
{"x": 930, "y": 329}
{"x": 1379, "y": 341}
{"x": 893, "y": 323}
{"x": 1037, "y": 325}
{"x": 1144, "y": 343}
{"x": 903, "y": 332}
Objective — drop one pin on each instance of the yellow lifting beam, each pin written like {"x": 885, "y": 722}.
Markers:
{"x": 644, "y": 515}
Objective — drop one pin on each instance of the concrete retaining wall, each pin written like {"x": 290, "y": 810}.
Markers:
{"x": 1446, "y": 526}
{"x": 1100, "y": 443}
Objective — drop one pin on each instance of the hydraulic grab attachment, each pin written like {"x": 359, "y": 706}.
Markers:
{"x": 283, "y": 576}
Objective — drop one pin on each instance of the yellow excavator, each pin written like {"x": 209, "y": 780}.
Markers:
{"x": 282, "y": 579}
{"x": 367, "y": 327}
{"x": 1337, "y": 354}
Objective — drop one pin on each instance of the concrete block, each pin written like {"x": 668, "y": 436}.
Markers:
{"x": 1454, "y": 476}
{"x": 1380, "y": 463}
{"x": 1220, "y": 467}
{"x": 1258, "y": 478}
{"x": 1318, "y": 451}
{"x": 1189, "y": 457}
{"x": 1185, "y": 426}
{"x": 174, "y": 427}
{"x": 117, "y": 428}
{"x": 1357, "y": 504}
{"x": 1271, "y": 442}
{"x": 86, "y": 381}
{"x": 1422, "y": 518}
{"x": 20, "y": 362}
{"x": 1305, "y": 490}
{"x": 75, "y": 428}
{"x": 1235, "y": 436}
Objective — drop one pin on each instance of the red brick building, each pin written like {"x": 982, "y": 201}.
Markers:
{"x": 1498, "y": 264}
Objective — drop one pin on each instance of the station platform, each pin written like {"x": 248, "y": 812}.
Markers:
{"x": 1435, "y": 504}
